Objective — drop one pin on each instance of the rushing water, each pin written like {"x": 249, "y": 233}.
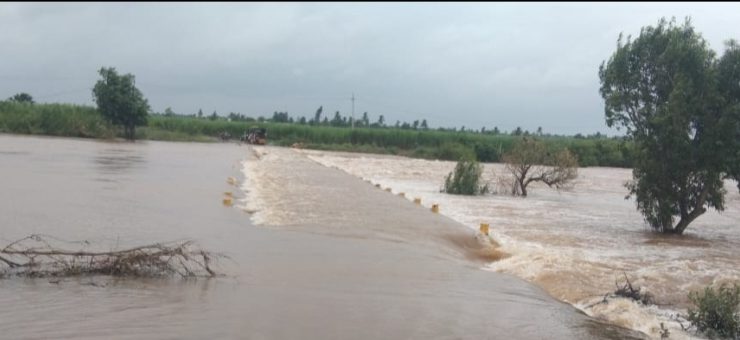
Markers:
{"x": 347, "y": 272}
{"x": 577, "y": 243}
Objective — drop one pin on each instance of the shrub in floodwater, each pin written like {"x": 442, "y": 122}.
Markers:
{"x": 466, "y": 179}
{"x": 717, "y": 313}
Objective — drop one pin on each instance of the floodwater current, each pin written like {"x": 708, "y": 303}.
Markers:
{"x": 578, "y": 243}
{"x": 361, "y": 265}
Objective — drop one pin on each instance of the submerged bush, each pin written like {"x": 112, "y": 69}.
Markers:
{"x": 466, "y": 179}
{"x": 717, "y": 313}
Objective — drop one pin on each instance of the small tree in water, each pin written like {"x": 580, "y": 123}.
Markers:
{"x": 466, "y": 179}
{"x": 529, "y": 161}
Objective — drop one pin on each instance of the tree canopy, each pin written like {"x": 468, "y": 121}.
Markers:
{"x": 22, "y": 98}
{"x": 119, "y": 101}
{"x": 680, "y": 105}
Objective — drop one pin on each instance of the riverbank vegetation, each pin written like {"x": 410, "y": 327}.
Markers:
{"x": 486, "y": 145}
{"x": 716, "y": 313}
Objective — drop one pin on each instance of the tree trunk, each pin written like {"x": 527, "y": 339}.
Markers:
{"x": 523, "y": 187}
{"x": 686, "y": 220}
{"x": 129, "y": 132}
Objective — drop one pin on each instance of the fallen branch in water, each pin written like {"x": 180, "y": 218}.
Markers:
{"x": 34, "y": 256}
{"x": 630, "y": 292}
{"x": 626, "y": 291}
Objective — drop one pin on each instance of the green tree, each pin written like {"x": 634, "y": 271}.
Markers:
{"x": 337, "y": 120}
{"x": 119, "y": 101}
{"x": 424, "y": 124}
{"x": 22, "y": 98}
{"x": 200, "y": 113}
{"x": 365, "y": 119}
{"x": 680, "y": 105}
{"x": 381, "y": 121}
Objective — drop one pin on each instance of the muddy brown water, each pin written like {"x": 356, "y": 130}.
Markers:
{"x": 297, "y": 282}
{"x": 587, "y": 236}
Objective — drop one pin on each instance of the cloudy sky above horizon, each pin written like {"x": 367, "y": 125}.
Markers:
{"x": 454, "y": 64}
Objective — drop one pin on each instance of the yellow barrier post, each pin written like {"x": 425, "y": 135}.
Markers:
{"x": 228, "y": 201}
{"x": 435, "y": 208}
{"x": 388, "y": 189}
{"x": 417, "y": 200}
{"x": 402, "y": 194}
{"x": 484, "y": 228}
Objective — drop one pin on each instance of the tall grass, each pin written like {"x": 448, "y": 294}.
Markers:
{"x": 84, "y": 121}
{"x": 53, "y": 119}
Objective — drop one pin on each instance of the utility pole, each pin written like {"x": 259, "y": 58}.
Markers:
{"x": 353, "y": 110}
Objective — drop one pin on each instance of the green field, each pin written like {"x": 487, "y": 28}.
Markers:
{"x": 84, "y": 121}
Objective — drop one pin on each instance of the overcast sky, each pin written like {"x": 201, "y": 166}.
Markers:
{"x": 473, "y": 65}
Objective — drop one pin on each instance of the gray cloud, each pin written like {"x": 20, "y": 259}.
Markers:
{"x": 475, "y": 65}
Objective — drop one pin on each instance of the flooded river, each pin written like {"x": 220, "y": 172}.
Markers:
{"x": 344, "y": 262}
{"x": 578, "y": 243}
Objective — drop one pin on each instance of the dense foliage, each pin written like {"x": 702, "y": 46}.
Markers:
{"x": 119, "y": 101}
{"x": 681, "y": 106}
{"x": 465, "y": 179}
{"x": 716, "y": 313}
{"x": 54, "y": 120}
{"x": 81, "y": 121}
{"x": 22, "y": 98}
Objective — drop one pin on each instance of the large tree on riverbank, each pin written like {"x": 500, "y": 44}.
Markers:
{"x": 681, "y": 106}
{"x": 120, "y": 102}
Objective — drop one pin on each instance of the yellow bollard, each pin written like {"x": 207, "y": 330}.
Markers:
{"x": 435, "y": 208}
{"x": 231, "y": 180}
{"x": 228, "y": 193}
{"x": 377, "y": 185}
{"x": 228, "y": 201}
{"x": 402, "y": 194}
{"x": 417, "y": 200}
{"x": 388, "y": 189}
{"x": 484, "y": 228}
